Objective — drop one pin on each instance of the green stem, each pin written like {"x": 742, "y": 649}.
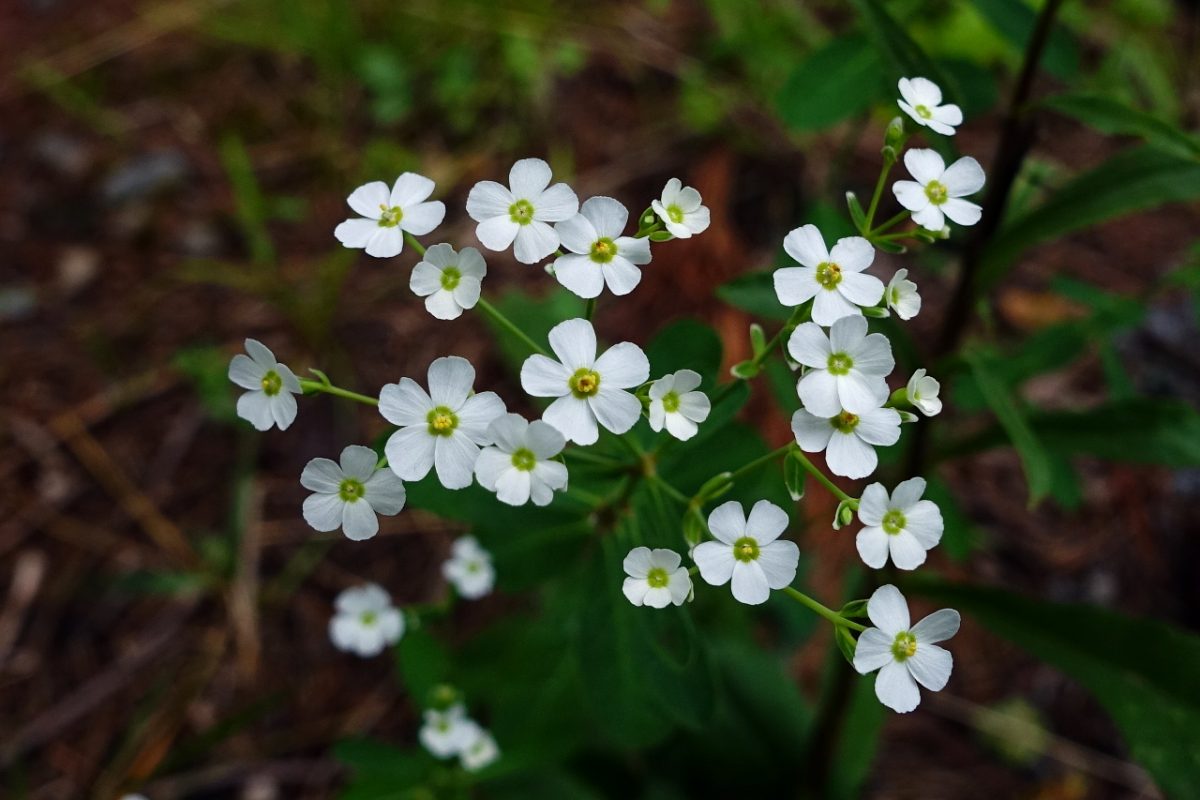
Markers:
{"x": 593, "y": 458}
{"x": 508, "y": 325}
{"x": 879, "y": 184}
{"x": 668, "y": 488}
{"x": 801, "y": 314}
{"x": 590, "y": 309}
{"x": 821, "y": 477}
{"x": 891, "y": 223}
{"x": 741, "y": 472}
{"x": 315, "y": 387}
{"x": 820, "y": 610}
{"x": 420, "y": 248}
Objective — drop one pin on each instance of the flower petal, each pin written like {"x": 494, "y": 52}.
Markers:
{"x": 896, "y": 688}
{"x": 888, "y": 610}
{"x": 577, "y": 234}
{"x": 872, "y": 544}
{"x": 715, "y": 561}
{"x": 359, "y": 521}
{"x": 513, "y": 487}
{"x": 910, "y": 194}
{"x": 544, "y": 440}
{"x": 542, "y": 376}
{"x": 385, "y": 243}
{"x": 637, "y": 562}
{"x": 849, "y": 456}
{"x": 358, "y": 462}
{"x": 621, "y": 275}
{"x": 924, "y": 165}
{"x": 426, "y": 279}
{"x": 861, "y": 289}
{"x": 607, "y": 216}
{"x": 622, "y": 366}
{"x": 873, "y": 504}
{"x": 409, "y": 190}
{"x": 931, "y": 666}
{"x": 454, "y": 459}
{"x": 385, "y": 492}
{"x": 766, "y": 522}
{"x": 573, "y": 418}
{"x": 367, "y": 199}
{"x": 779, "y": 560}
{"x": 323, "y": 512}
{"x": 615, "y": 409}
{"x": 852, "y": 254}
{"x": 404, "y": 403}
{"x": 423, "y": 217}
{"x": 795, "y": 285}
{"x": 879, "y": 427}
{"x": 874, "y": 649}
{"x": 906, "y": 551}
{"x": 574, "y": 342}
{"x": 245, "y": 373}
{"x": 450, "y": 381}
{"x": 487, "y": 200}
{"x": 964, "y": 212}
{"x": 534, "y": 242}
{"x": 556, "y": 204}
{"x": 963, "y": 177}
{"x": 410, "y": 452}
{"x": 937, "y": 627}
{"x": 749, "y": 584}
{"x": 477, "y": 414}
{"x": 806, "y": 245}
{"x": 528, "y": 178}
{"x": 356, "y": 233}
{"x": 812, "y": 433}
{"x": 727, "y": 522}
{"x": 322, "y": 475}
{"x": 579, "y": 275}
{"x": 497, "y": 233}
{"x": 818, "y": 391}
{"x": 809, "y": 345}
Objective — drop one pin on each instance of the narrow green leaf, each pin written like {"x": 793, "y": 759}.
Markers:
{"x": 1015, "y": 21}
{"x": 906, "y": 57}
{"x": 1115, "y": 118}
{"x": 754, "y": 293}
{"x": 836, "y": 82}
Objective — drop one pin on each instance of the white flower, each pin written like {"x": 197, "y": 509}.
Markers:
{"x": 449, "y": 281}
{"x": 469, "y": 568}
{"x": 521, "y": 212}
{"x": 938, "y": 190}
{"x": 849, "y": 439}
{"x": 481, "y": 749}
{"x": 365, "y": 621}
{"x": 680, "y": 210}
{"x": 921, "y": 99}
{"x": 832, "y": 279}
{"x": 902, "y": 654}
{"x": 748, "y": 551}
{"x": 589, "y": 389}
{"x": 271, "y": 384}
{"x": 846, "y": 369}
{"x": 656, "y": 578}
{"x": 673, "y": 403}
{"x": 519, "y": 463}
{"x": 442, "y": 428}
{"x": 922, "y": 392}
{"x": 349, "y": 495}
{"x": 599, "y": 253}
{"x": 902, "y": 296}
{"x": 447, "y": 733}
{"x": 903, "y": 525}
{"x": 387, "y": 215}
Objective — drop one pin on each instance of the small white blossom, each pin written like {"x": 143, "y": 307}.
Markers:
{"x": 442, "y": 428}
{"x": 846, "y": 368}
{"x": 519, "y": 465}
{"x": 271, "y": 384}
{"x": 903, "y": 525}
{"x": 922, "y": 392}
{"x": 450, "y": 282}
{"x": 470, "y": 568}
{"x": 365, "y": 621}
{"x": 599, "y": 254}
{"x": 656, "y": 578}
{"x": 675, "y": 404}
{"x": 680, "y": 210}
{"x": 921, "y": 99}
{"x": 447, "y": 733}
{"x": 590, "y": 390}
{"x": 386, "y": 216}
{"x": 902, "y": 296}
{"x": 480, "y": 751}
{"x": 848, "y": 439}
{"x": 938, "y": 190}
{"x": 904, "y": 656}
{"x": 832, "y": 279}
{"x": 518, "y": 214}
{"x": 748, "y": 552}
{"x": 349, "y": 495}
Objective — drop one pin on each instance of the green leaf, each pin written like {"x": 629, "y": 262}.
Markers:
{"x": 1142, "y": 671}
{"x": 836, "y": 82}
{"x": 857, "y": 741}
{"x": 423, "y": 664}
{"x": 754, "y": 293}
{"x": 1015, "y": 21}
{"x": 1117, "y": 119}
{"x": 379, "y": 771}
{"x": 857, "y": 215}
{"x": 794, "y": 477}
{"x": 905, "y": 56}
{"x": 686, "y": 344}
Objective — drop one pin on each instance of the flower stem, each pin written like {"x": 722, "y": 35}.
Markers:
{"x": 675, "y": 494}
{"x": 509, "y": 326}
{"x": 879, "y": 184}
{"x": 743, "y": 471}
{"x": 822, "y": 478}
{"x": 317, "y": 387}
{"x": 891, "y": 223}
{"x": 590, "y": 309}
{"x": 820, "y": 610}
{"x": 801, "y": 314}
{"x": 416, "y": 245}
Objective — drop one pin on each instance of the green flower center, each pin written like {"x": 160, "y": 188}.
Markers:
{"x": 521, "y": 212}
{"x": 524, "y": 460}
{"x": 840, "y": 364}
{"x": 473, "y": 567}
{"x": 894, "y": 522}
{"x": 350, "y": 489}
{"x": 368, "y": 618}
{"x": 658, "y": 578}
{"x": 905, "y": 646}
{"x": 584, "y": 383}
{"x": 670, "y": 402}
{"x": 675, "y": 213}
{"x": 442, "y": 421}
{"x": 845, "y": 422}
{"x": 829, "y": 275}
{"x": 745, "y": 549}
{"x": 450, "y": 278}
{"x": 923, "y": 112}
{"x": 272, "y": 383}
{"x": 603, "y": 250}
{"x": 390, "y": 217}
{"x": 936, "y": 192}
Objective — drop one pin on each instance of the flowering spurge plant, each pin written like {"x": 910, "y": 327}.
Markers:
{"x": 653, "y": 495}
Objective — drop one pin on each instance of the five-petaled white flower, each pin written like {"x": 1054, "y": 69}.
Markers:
{"x": 469, "y": 568}
{"x": 365, "y": 621}
{"x": 675, "y": 404}
{"x": 903, "y": 525}
{"x": 921, "y": 99}
{"x": 748, "y": 551}
{"x": 589, "y": 389}
{"x": 832, "y": 279}
{"x": 902, "y": 296}
{"x": 846, "y": 368}
{"x": 521, "y": 212}
{"x": 449, "y": 281}
{"x": 447, "y": 732}
{"x": 480, "y": 750}
{"x": 680, "y": 210}
{"x": 848, "y": 439}
{"x": 656, "y": 578}
{"x": 349, "y": 495}
{"x": 271, "y": 384}
{"x": 938, "y": 190}
{"x": 904, "y": 656}
{"x": 443, "y": 428}
{"x": 599, "y": 254}
{"x": 386, "y": 216}
{"x": 922, "y": 392}
{"x": 519, "y": 465}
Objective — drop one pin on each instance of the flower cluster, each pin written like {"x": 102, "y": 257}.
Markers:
{"x": 448, "y": 732}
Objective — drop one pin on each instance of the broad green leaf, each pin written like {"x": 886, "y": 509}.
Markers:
{"x": 905, "y": 56}
{"x": 380, "y": 771}
{"x": 423, "y": 663}
{"x": 858, "y": 739}
{"x": 1115, "y": 118}
{"x": 838, "y": 81}
{"x": 754, "y": 293}
{"x": 686, "y": 344}
{"x": 1142, "y": 671}
{"x": 1015, "y": 21}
